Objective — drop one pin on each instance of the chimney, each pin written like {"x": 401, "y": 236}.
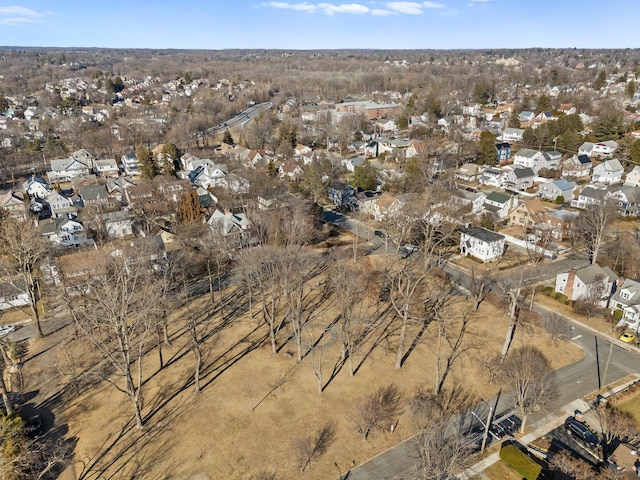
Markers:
{"x": 568, "y": 289}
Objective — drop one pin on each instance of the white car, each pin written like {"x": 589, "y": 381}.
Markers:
{"x": 6, "y": 330}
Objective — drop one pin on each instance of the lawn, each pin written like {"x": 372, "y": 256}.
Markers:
{"x": 501, "y": 471}
{"x": 217, "y": 433}
{"x": 629, "y": 402}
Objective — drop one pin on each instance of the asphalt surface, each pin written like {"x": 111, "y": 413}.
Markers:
{"x": 243, "y": 118}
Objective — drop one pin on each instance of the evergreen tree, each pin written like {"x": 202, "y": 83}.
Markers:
{"x": 514, "y": 120}
{"x": 544, "y": 104}
{"x": 365, "y": 176}
{"x": 487, "y": 153}
{"x": 634, "y": 151}
{"x": 189, "y": 207}
{"x": 172, "y": 155}
{"x": 601, "y": 80}
{"x": 630, "y": 89}
{"x": 227, "y": 138}
{"x": 148, "y": 167}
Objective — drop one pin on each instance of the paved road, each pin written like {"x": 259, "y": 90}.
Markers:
{"x": 575, "y": 381}
{"x": 242, "y": 119}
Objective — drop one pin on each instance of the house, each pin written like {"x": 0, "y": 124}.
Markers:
{"x": 553, "y": 189}
{"x": 590, "y": 195}
{"x": 174, "y": 189}
{"x": 578, "y": 166}
{"x": 36, "y": 187}
{"x": 627, "y": 198}
{"x": 499, "y": 204}
{"x": 536, "y": 160}
{"x": 117, "y": 224}
{"x": 106, "y": 167}
{"x": 130, "y": 164}
{"x": 351, "y": 163}
{"x": 62, "y": 170}
{"x": 511, "y": 134}
{"x": 290, "y": 170}
{"x": 627, "y": 298}
{"x": 416, "y": 148}
{"x": 526, "y": 116}
{"x": 98, "y": 197}
{"x": 64, "y": 232}
{"x": 300, "y": 150}
{"x": 518, "y": 179}
{"x": 77, "y": 269}
{"x": 342, "y": 194}
{"x": 527, "y": 214}
{"x": 13, "y": 202}
{"x": 60, "y": 205}
{"x": 633, "y": 177}
{"x": 469, "y": 172}
{"x": 591, "y": 282}
{"x": 463, "y": 198}
{"x": 472, "y": 109}
{"x": 609, "y": 171}
{"x": 491, "y": 176}
{"x": 13, "y": 294}
{"x": 366, "y": 202}
{"x": 389, "y": 205}
{"x": 234, "y": 225}
{"x": 140, "y": 195}
{"x": 480, "y": 243}
{"x": 503, "y": 150}
{"x": 559, "y": 223}
{"x": 567, "y": 108}
{"x": 600, "y": 149}
{"x": 80, "y": 181}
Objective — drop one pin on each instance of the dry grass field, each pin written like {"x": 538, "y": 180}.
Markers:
{"x": 215, "y": 434}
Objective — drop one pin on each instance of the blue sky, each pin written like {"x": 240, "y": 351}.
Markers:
{"x": 219, "y": 24}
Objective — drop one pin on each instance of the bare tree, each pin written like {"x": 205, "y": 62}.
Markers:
{"x": 450, "y": 346}
{"x": 377, "y": 411}
{"x": 443, "y": 451}
{"x": 591, "y": 304}
{"x": 528, "y": 373}
{"x": 592, "y": 224}
{"x": 480, "y": 285}
{"x": 310, "y": 446}
{"x": 430, "y": 409}
{"x": 118, "y": 318}
{"x": 616, "y": 427}
{"x": 576, "y": 468}
{"x": 21, "y": 247}
{"x": 556, "y": 326}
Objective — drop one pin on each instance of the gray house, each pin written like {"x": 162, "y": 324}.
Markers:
{"x": 557, "y": 188}
{"x": 518, "y": 179}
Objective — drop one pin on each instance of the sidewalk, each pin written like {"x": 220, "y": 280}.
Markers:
{"x": 542, "y": 427}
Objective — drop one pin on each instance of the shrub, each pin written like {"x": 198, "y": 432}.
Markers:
{"x": 559, "y": 199}
{"x": 617, "y": 315}
{"x": 521, "y": 463}
{"x": 562, "y": 298}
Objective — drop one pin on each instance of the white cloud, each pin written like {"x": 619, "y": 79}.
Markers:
{"x": 406, "y": 8}
{"x": 473, "y": 3}
{"x": 392, "y": 8}
{"x": 353, "y": 8}
{"x": 15, "y": 15}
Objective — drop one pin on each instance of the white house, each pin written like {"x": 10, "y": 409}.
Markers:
{"x": 590, "y": 195}
{"x": 627, "y": 299}
{"x": 491, "y": 176}
{"x": 13, "y": 294}
{"x": 481, "y": 243}
{"x": 64, "y": 232}
{"x": 602, "y": 149}
{"x": 536, "y": 160}
{"x": 511, "y": 134}
{"x": 106, "y": 167}
{"x": 117, "y": 224}
{"x": 518, "y": 178}
{"x": 578, "y": 166}
{"x": 633, "y": 177}
{"x": 60, "y": 205}
{"x": 553, "y": 189}
{"x": 608, "y": 172}
{"x": 62, "y": 170}
{"x": 130, "y": 164}
{"x": 499, "y": 204}
{"x": 591, "y": 282}
{"x": 36, "y": 187}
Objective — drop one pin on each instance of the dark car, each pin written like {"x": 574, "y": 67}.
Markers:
{"x": 34, "y": 426}
{"x": 581, "y": 432}
{"x": 379, "y": 233}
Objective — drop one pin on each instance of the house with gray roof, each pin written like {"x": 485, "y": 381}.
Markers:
{"x": 590, "y": 195}
{"x": 499, "y": 204}
{"x": 536, "y": 160}
{"x": 600, "y": 149}
{"x": 64, "y": 232}
{"x": 553, "y": 189}
{"x": 608, "y": 172}
{"x": 627, "y": 299}
{"x": 481, "y": 243}
{"x": 578, "y": 166}
{"x": 633, "y": 177}
{"x": 627, "y": 198}
{"x": 62, "y": 170}
{"x": 518, "y": 179}
{"x": 591, "y": 282}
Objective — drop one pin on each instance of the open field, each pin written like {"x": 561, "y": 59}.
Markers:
{"x": 216, "y": 433}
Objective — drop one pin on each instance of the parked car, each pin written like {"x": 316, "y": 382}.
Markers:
{"x": 411, "y": 248}
{"x": 580, "y": 431}
{"x": 627, "y": 337}
{"x": 379, "y": 233}
{"x": 6, "y": 330}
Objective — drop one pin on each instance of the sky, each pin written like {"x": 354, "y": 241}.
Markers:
{"x": 311, "y": 25}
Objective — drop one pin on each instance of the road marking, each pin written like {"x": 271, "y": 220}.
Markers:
{"x": 576, "y": 337}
